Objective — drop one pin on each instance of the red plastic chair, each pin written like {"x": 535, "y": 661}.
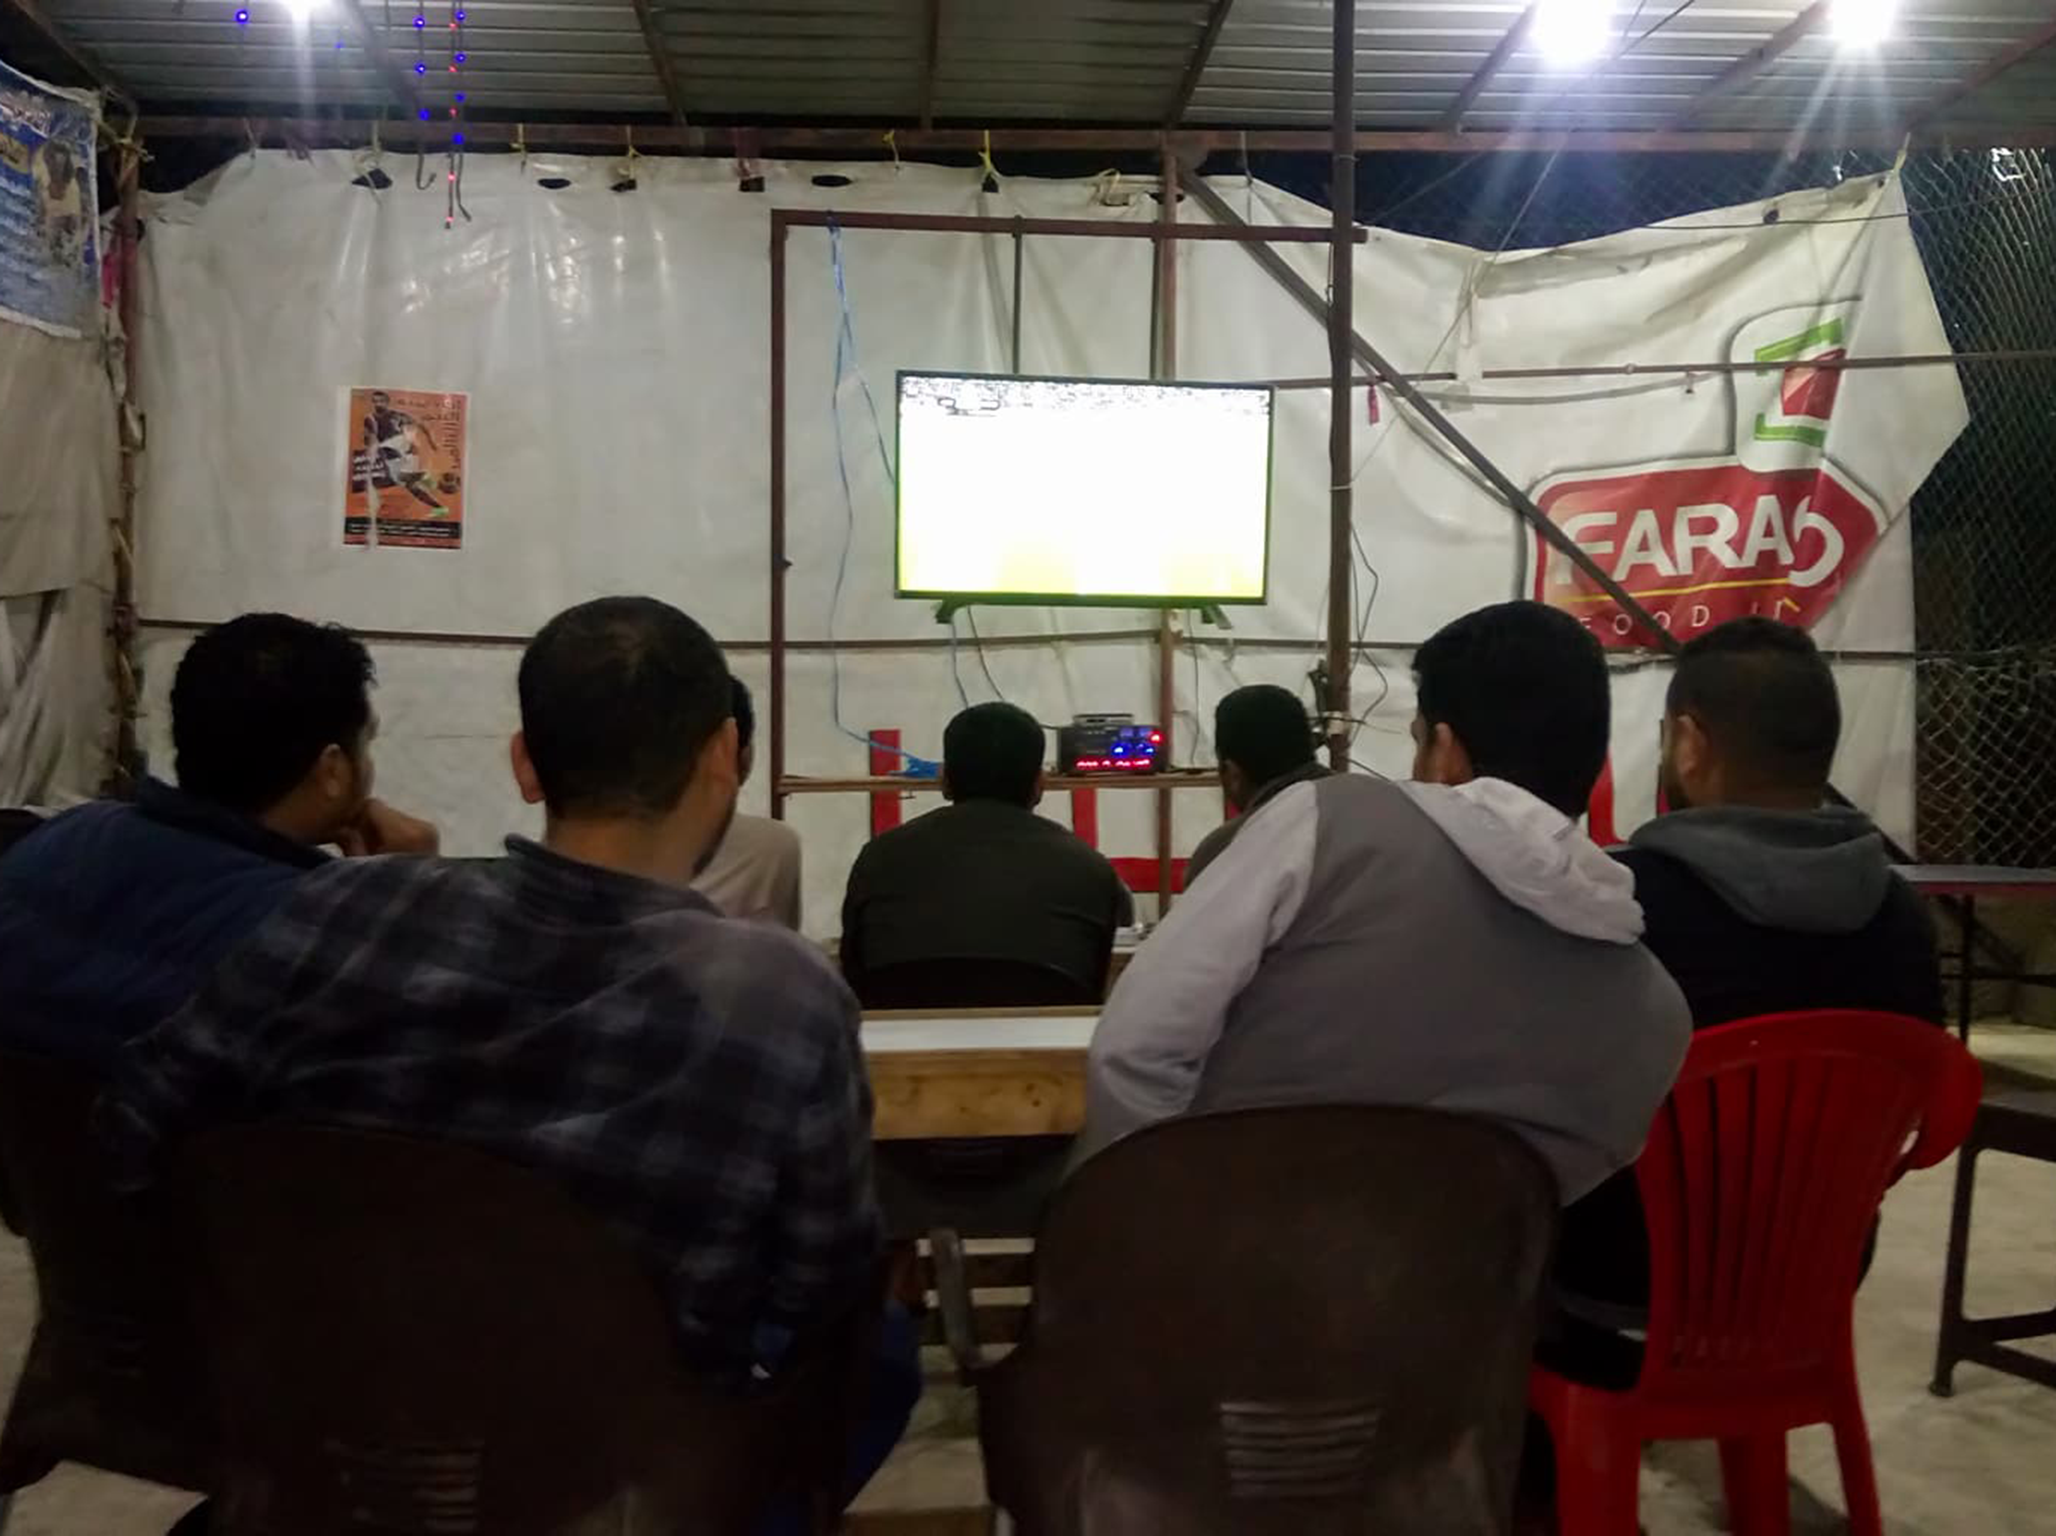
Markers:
{"x": 1761, "y": 1180}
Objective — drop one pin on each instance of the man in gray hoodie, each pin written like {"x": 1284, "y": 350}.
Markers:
{"x": 1759, "y": 897}
{"x": 1456, "y": 942}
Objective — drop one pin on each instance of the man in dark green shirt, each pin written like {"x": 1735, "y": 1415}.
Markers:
{"x": 984, "y": 878}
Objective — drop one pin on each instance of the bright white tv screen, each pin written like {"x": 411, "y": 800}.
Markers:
{"x": 1074, "y": 490}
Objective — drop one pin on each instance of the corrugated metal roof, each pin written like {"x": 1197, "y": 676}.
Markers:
{"x": 1111, "y": 62}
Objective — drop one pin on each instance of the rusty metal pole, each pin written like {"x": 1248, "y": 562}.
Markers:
{"x": 1165, "y": 366}
{"x": 126, "y": 765}
{"x": 777, "y": 700}
{"x": 1341, "y": 336}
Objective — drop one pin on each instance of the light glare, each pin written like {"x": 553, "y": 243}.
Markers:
{"x": 302, "y": 10}
{"x": 1861, "y": 23}
{"x": 1573, "y": 31}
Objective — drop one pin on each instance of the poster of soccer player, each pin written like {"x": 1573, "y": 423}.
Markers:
{"x": 404, "y": 451}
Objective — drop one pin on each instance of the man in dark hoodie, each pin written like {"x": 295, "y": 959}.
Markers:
{"x": 1757, "y": 896}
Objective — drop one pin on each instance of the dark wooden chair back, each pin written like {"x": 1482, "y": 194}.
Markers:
{"x": 1307, "y": 1321}
{"x": 416, "y": 1339}
{"x": 113, "y": 1377}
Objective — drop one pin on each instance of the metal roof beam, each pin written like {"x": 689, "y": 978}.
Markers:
{"x": 80, "y": 58}
{"x": 1195, "y": 70}
{"x": 1982, "y": 76}
{"x": 775, "y": 139}
{"x": 1756, "y": 60}
{"x": 660, "y": 60}
{"x": 1495, "y": 61}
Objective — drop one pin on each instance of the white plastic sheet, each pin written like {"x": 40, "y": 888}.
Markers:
{"x": 615, "y": 350}
{"x": 55, "y": 719}
{"x": 57, "y": 460}
{"x": 58, "y": 496}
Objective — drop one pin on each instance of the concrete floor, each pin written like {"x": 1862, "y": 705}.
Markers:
{"x": 1982, "y": 1461}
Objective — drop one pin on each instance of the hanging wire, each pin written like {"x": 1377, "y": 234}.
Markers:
{"x": 848, "y": 363}
{"x": 955, "y": 673}
{"x": 1196, "y": 714}
{"x": 984, "y": 665}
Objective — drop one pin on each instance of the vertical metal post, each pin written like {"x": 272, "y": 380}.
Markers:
{"x": 126, "y": 766}
{"x": 1341, "y": 334}
{"x": 1014, "y": 353}
{"x": 777, "y": 702}
{"x": 1165, "y": 366}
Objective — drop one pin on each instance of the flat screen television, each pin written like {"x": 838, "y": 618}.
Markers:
{"x": 1121, "y": 494}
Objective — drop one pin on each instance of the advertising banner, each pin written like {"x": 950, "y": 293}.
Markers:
{"x": 1774, "y": 527}
{"x": 49, "y": 216}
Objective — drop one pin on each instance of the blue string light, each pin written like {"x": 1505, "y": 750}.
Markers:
{"x": 242, "y": 18}
{"x": 455, "y": 173}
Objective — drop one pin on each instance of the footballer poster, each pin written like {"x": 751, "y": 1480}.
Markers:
{"x": 405, "y": 468}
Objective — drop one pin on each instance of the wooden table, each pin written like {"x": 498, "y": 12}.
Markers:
{"x": 978, "y": 1073}
{"x": 1962, "y": 885}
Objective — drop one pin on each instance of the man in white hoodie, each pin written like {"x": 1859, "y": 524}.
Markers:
{"x": 1456, "y": 942}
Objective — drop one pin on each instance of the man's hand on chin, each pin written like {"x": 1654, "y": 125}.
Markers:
{"x": 381, "y": 829}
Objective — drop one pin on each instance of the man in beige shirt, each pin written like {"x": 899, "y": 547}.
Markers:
{"x": 756, "y": 872}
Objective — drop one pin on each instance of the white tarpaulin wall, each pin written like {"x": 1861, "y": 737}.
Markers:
{"x": 58, "y": 496}
{"x": 57, "y": 454}
{"x": 614, "y": 348}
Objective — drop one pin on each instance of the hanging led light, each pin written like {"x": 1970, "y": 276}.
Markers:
{"x": 1572, "y": 31}
{"x": 1861, "y": 23}
{"x": 454, "y": 204}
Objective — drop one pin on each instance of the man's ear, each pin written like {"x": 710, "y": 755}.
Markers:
{"x": 1690, "y": 750}
{"x": 334, "y": 773}
{"x": 525, "y": 778}
{"x": 1233, "y": 787}
{"x": 1449, "y": 760}
{"x": 722, "y": 755}
{"x": 1041, "y": 784}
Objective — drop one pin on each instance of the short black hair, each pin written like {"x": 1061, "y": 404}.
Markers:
{"x": 744, "y": 710}
{"x": 1523, "y": 686}
{"x": 256, "y": 700}
{"x": 1263, "y": 730}
{"x": 993, "y": 752}
{"x": 1766, "y": 698}
{"x": 618, "y": 698}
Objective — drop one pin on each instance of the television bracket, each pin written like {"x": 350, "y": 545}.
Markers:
{"x": 1209, "y": 613}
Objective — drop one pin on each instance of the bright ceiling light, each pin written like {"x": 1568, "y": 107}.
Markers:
{"x": 1572, "y": 31}
{"x": 1861, "y": 23}
{"x": 302, "y": 10}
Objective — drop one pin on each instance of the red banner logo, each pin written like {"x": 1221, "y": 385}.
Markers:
{"x": 1773, "y": 526}
{"x": 1700, "y": 544}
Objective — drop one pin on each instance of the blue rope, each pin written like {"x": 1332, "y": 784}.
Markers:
{"x": 846, "y": 361}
